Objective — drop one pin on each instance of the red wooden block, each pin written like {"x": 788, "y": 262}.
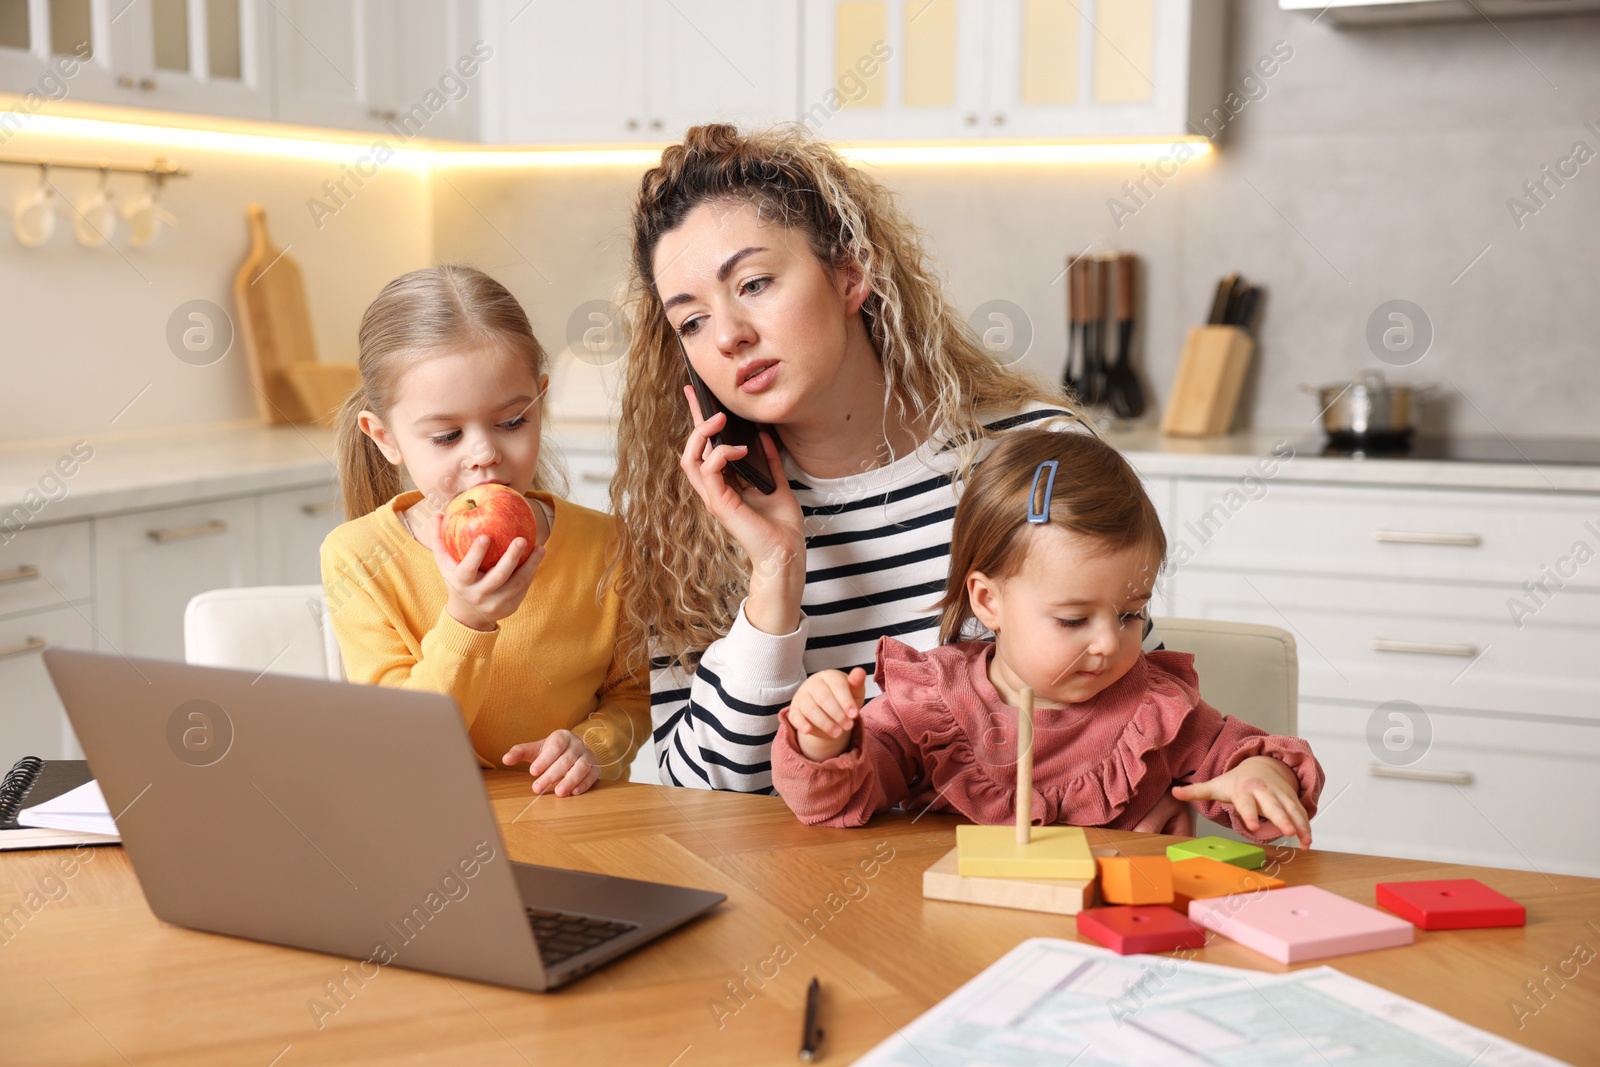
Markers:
{"x": 1450, "y": 904}
{"x": 1140, "y": 928}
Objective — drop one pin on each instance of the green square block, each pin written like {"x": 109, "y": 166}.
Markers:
{"x": 1219, "y": 848}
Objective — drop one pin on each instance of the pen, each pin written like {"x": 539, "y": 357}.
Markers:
{"x": 811, "y": 1033}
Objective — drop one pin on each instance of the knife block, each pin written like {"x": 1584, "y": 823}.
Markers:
{"x": 1205, "y": 392}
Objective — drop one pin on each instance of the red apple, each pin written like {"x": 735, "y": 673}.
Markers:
{"x": 497, "y": 512}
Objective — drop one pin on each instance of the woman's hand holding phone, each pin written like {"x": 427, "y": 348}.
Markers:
{"x": 768, "y": 526}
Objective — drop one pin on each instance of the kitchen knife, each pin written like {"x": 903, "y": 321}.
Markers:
{"x": 1219, "y": 304}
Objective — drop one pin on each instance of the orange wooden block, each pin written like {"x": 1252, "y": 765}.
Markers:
{"x": 1202, "y": 877}
{"x": 1136, "y": 880}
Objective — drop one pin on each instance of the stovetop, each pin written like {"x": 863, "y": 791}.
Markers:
{"x": 1576, "y": 451}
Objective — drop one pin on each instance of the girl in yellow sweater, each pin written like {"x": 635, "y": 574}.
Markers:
{"x": 452, "y": 389}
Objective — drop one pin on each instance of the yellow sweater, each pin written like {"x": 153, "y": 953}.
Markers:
{"x": 553, "y": 664}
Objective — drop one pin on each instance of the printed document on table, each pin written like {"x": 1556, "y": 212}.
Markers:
{"x": 1051, "y": 1002}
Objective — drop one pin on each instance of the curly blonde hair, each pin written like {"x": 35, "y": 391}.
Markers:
{"x": 681, "y": 575}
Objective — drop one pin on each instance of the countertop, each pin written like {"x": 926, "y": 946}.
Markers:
{"x": 1240, "y": 454}
{"x": 159, "y": 468}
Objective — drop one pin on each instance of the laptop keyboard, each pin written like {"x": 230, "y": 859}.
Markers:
{"x": 562, "y": 935}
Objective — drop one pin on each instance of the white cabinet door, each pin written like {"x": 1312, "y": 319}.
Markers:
{"x": 32, "y": 722}
{"x": 150, "y": 563}
{"x": 721, "y": 61}
{"x": 204, "y": 56}
{"x": 42, "y": 566}
{"x": 293, "y": 524}
{"x": 389, "y": 66}
{"x": 573, "y": 72}
{"x": 60, "y": 50}
{"x": 1129, "y": 68}
{"x": 1471, "y": 789}
{"x": 894, "y": 69}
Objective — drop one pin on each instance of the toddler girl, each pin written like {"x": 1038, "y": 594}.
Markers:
{"x": 452, "y": 390}
{"x": 1055, "y": 551}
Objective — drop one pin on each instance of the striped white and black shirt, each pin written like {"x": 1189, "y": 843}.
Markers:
{"x": 877, "y": 557}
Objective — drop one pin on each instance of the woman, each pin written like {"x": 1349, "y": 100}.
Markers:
{"x": 803, "y": 298}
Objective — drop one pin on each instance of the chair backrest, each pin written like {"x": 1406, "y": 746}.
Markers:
{"x": 1246, "y": 670}
{"x": 281, "y": 628}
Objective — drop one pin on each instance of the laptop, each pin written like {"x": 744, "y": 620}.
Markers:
{"x": 348, "y": 819}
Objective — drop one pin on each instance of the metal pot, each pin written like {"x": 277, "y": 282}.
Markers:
{"x": 1366, "y": 410}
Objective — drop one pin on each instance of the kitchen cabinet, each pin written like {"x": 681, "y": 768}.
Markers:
{"x": 148, "y": 564}
{"x": 292, "y": 526}
{"x": 405, "y": 68}
{"x": 1465, "y": 613}
{"x": 205, "y": 56}
{"x": 32, "y": 720}
{"x": 46, "y": 601}
{"x": 892, "y": 70}
{"x": 642, "y": 70}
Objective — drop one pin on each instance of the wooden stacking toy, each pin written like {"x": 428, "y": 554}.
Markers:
{"x": 1136, "y": 880}
{"x": 1303, "y": 922}
{"x": 1237, "y": 853}
{"x": 1450, "y": 904}
{"x": 1149, "y": 928}
{"x": 1058, "y": 896}
{"x": 1201, "y": 878}
{"x": 1026, "y": 852}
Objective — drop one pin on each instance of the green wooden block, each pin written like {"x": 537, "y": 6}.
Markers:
{"x": 1237, "y": 853}
{"x": 1054, "y": 852}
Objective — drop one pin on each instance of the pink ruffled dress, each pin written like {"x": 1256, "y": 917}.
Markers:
{"x": 940, "y": 736}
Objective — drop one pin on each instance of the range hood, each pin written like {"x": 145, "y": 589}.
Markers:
{"x": 1383, "y": 12}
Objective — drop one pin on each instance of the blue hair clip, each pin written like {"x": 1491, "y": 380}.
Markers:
{"x": 1040, "y": 517}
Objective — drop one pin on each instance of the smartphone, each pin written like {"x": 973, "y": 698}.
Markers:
{"x": 752, "y": 466}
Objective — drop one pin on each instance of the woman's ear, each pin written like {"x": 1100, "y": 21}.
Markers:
{"x": 853, "y": 284}
{"x": 373, "y": 427}
{"x": 983, "y": 594}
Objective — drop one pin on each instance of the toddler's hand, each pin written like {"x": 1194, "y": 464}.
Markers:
{"x": 480, "y": 600}
{"x": 824, "y": 711}
{"x": 1259, "y": 787}
{"x": 562, "y": 760}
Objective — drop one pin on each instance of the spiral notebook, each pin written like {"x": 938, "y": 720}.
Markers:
{"x": 32, "y": 782}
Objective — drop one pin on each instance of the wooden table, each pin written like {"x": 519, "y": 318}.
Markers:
{"x": 91, "y": 977}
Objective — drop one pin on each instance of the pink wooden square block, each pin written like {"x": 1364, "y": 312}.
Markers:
{"x": 1300, "y": 923}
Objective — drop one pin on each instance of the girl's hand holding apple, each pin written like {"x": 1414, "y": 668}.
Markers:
{"x": 479, "y": 599}
{"x": 561, "y": 760}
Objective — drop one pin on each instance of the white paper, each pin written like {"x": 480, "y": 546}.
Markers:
{"x": 82, "y": 809}
{"x": 1052, "y": 1002}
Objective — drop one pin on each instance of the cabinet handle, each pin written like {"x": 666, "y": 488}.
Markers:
{"x": 1425, "y": 648}
{"x": 971, "y": 120}
{"x": 1407, "y": 537}
{"x": 632, "y": 124}
{"x": 997, "y": 119}
{"x": 183, "y": 533}
{"x": 127, "y": 81}
{"x": 599, "y": 477}
{"x": 32, "y": 644}
{"x": 1412, "y": 774}
{"x": 655, "y": 124}
{"x": 21, "y": 574}
{"x": 318, "y": 509}
{"x": 383, "y": 114}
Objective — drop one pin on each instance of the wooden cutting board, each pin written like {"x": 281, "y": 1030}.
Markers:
{"x": 270, "y": 300}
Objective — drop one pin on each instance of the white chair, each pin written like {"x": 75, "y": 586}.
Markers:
{"x": 1249, "y": 671}
{"x": 277, "y": 628}
{"x": 1246, "y": 670}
